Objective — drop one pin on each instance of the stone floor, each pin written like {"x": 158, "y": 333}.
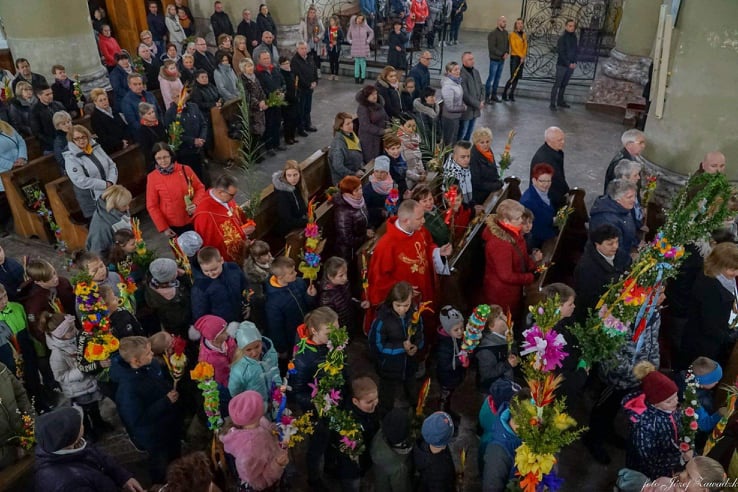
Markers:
{"x": 592, "y": 139}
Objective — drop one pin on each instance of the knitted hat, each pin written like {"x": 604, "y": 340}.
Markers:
{"x": 711, "y": 377}
{"x": 450, "y": 317}
{"x": 190, "y": 242}
{"x": 209, "y": 326}
{"x": 247, "y": 333}
{"x": 382, "y": 163}
{"x": 349, "y": 183}
{"x": 396, "y": 426}
{"x": 656, "y": 386}
{"x": 438, "y": 429}
{"x": 58, "y": 429}
{"x": 246, "y": 408}
{"x": 163, "y": 270}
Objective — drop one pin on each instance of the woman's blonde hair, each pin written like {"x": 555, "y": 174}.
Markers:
{"x": 21, "y": 86}
{"x": 480, "y": 133}
{"x": 293, "y": 164}
{"x": 711, "y": 471}
{"x": 722, "y": 257}
{"x": 97, "y": 92}
{"x": 59, "y": 118}
{"x": 244, "y": 62}
{"x": 386, "y": 71}
{"x": 79, "y": 129}
{"x": 508, "y": 209}
{"x": 6, "y": 128}
{"x": 117, "y": 196}
{"x": 237, "y": 39}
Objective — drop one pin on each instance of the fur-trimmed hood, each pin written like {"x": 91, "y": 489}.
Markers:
{"x": 419, "y": 107}
{"x": 279, "y": 184}
{"x": 498, "y": 230}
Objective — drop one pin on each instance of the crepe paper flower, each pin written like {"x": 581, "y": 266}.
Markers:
{"x": 314, "y": 386}
{"x": 563, "y": 421}
{"x": 348, "y": 442}
{"x": 546, "y": 347}
{"x": 202, "y": 372}
{"x": 689, "y": 412}
{"x": 633, "y": 294}
{"x": 312, "y": 230}
{"x": 390, "y": 203}
{"x": 312, "y": 259}
{"x": 543, "y": 390}
{"x": 550, "y": 483}
{"x": 693, "y": 425}
{"x": 612, "y": 323}
{"x": 335, "y": 395}
{"x": 422, "y": 397}
{"x": 27, "y": 437}
{"x": 101, "y": 347}
{"x": 450, "y": 197}
{"x": 528, "y": 462}
{"x": 529, "y": 483}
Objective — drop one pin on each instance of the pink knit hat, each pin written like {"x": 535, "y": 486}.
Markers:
{"x": 246, "y": 408}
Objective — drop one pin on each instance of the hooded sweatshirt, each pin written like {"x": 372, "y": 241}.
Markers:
{"x": 491, "y": 355}
{"x": 255, "y": 452}
{"x": 104, "y": 224}
{"x": 210, "y": 327}
{"x": 256, "y": 375}
{"x": 499, "y": 456}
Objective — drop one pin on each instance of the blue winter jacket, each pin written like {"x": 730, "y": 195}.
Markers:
{"x": 386, "y": 337}
{"x": 11, "y": 276}
{"x": 607, "y": 211}
{"x": 543, "y": 217}
{"x": 222, "y": 296}
{"x": 129, "y": 107}
{"x": 147, "y": 414}
{"x": 499, "y": 456}
{"x": 12, "y": 147}
{"x": 286, "y": 308}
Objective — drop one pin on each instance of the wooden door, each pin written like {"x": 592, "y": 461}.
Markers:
{"x": 128, "y": 18}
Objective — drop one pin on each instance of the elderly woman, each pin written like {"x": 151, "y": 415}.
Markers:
{"x": 187, "y": 69}
{"x": 240, "y": 52}
{"x": 351, "y": 217}
{"x": 13, "y": 154}
{"x": 508, "y": 268}
{"x": 225, "y": 78}
{"x": 89, "y": 168}
{"x": 434, "y": 217}
{"x": 177, "y": 34}
{"x": 169, "y": 83}
{"x": 631, "y": 171}
{"x": 257, "y": 101}
{"x": 111, "y": 215}
{"x": 484, "y": 176}
{"x": 536, "y": 199}
{"x": 346, "y": 158}
{"x": 377, "y": 190}
{"x": 712, "y": 309}
{"x": 152, "y": 131}
{"x": 453, "y": 102}
{"x": 147, "y": 41}
{"x": 372, "y": 121}
{"x": 20, "y": 108}
{"x": 172, "y": 190}
{"x": 171, "y": 53}
{"x": 62, "y": 122}
{"x": 109, "y": 126}
{"x": 616, "y": 208}
{"x": 388, "y": 86}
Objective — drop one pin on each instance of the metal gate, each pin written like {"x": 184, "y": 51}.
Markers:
{"x": 597, "y": 22}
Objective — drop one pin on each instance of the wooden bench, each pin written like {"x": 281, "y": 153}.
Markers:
{"x": 60, "y": 192}
{"x": 564, "y": 250}
{"x": 39, "y": 172}
{"x": 10, "y": 476}
{"x": 34, "y": 146}
{"x": 225, "y": 149}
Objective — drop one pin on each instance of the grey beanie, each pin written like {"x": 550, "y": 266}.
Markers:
{"x": 450, "y": 317}
{"x": 382, "y": 163}
{"x": 190, "y": 242}
{"x": 247, "y": 333}
{"x": 163, "y": 270}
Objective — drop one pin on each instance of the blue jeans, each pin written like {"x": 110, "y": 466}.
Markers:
{"x": 495, "y": 72}
{"x": 466, "y": 127}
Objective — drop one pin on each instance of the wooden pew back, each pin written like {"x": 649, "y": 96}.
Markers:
{"x": 38, "y": 172}
{"x": 225, "y": 148}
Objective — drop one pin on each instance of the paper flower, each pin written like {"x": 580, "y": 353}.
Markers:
{"x": 202, "y": 371}
{"x": 547, "y": 348}
{"x": 527, "y": 462}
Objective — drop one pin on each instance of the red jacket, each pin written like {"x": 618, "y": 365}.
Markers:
{"x": 165, "y": 196}
{"x": 419, "y": 11}
{"x": 507, "y": 266}
{"x": 108, "y": 48}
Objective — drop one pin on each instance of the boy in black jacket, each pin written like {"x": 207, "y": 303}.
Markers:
{"x": 450, "y": 371}
{"x": 433, "y": 461}
{"x": 362, "y": 406}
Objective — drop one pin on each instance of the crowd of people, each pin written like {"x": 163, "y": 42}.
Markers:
{"x": 262, "y": 327}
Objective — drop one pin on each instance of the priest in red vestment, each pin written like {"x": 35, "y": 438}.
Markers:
{"x": 221, "y": 222}
{"x": 406, "y": 252}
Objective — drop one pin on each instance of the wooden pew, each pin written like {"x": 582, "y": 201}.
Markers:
{"x": 317, "y": 177}
{"x": 60, "y": 192}
{"x": 10, "y": 476}
{"x": 38, "y": 172}
{"x": 225, "y": 149}
{"x": 564, "y": 250}
{"x": 462, "y": 288}
{"x": 34, "y": 146}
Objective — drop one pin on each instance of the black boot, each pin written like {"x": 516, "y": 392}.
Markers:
{"x": 356, "y": 80}
{"x": 512, "y": 96}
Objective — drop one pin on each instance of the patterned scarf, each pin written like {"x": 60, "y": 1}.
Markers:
{"x": 149, "y": 123}
{"x": 462, "y": 175}
{"x": 166, "y": 171}
{"x": 381, "y": 187}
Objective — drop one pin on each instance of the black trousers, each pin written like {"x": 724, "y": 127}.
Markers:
{"x": 304, "y": 108}
{"x": 273, "y": 118}
{"x": 563, "y": 74}
{"x": 516, "y": 73}
{"x": 333, "y": 57}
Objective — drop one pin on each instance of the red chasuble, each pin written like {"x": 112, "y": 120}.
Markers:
{"x": 221, "y": 228}
{"x": 398, "y": 257}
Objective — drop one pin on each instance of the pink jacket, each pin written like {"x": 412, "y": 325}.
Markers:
{"x": 359, "y": 35}
{"x": 255, "y": 451}
{"x": 220, "y": 361}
